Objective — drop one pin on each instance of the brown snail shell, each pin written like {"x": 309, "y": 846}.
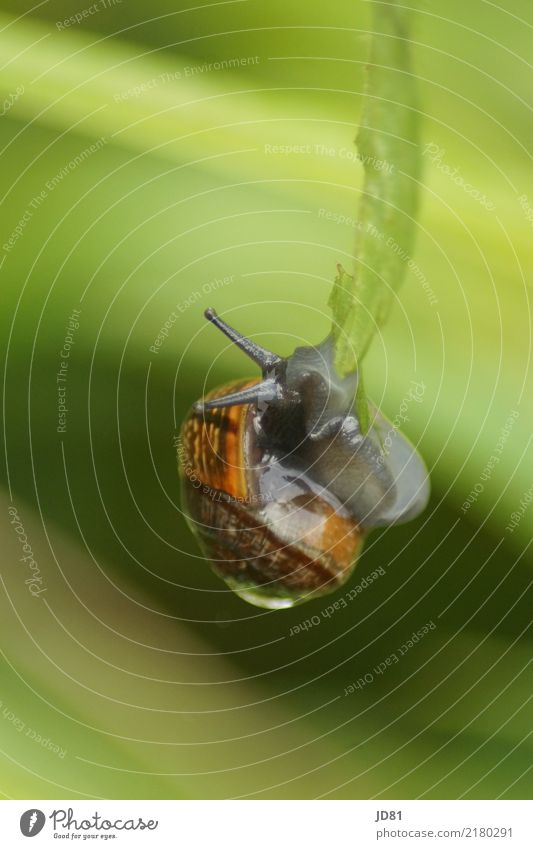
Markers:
{"x": 274, "y": 552}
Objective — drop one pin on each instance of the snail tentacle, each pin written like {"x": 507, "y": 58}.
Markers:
{"x": 264, "y": 392}
{"x": 261, "y": 356}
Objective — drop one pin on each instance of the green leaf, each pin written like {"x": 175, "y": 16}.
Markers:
{"x": 389, "y": 150}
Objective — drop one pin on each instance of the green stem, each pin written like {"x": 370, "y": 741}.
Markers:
{"x": 388, "y": 145}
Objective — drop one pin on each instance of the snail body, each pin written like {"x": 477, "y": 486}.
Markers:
{"x": 280, "y": 483}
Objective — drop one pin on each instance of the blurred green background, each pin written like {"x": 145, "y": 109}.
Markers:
{"x": 134, "y": 177}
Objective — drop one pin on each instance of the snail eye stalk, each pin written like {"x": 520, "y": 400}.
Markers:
{"x": 261, "y": 356}
{"x": 264, "y": 392}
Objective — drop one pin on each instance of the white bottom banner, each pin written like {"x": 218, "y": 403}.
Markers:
{"x": 268, "y": 824}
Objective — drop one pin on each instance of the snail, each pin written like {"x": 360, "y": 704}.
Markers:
{"x": 281, "y": 485}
